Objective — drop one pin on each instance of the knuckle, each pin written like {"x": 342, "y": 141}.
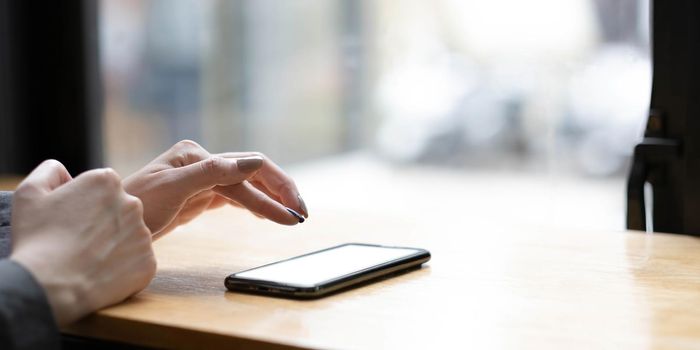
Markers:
{"x": 111, "y": 175}
{"x": 142, "y": 235}
{"x": 106, "y": 177}
{"x": 187, "y": 145}
{"x": 180, "y": 159}
{"x": 25, "y": 190}
{"x": 187, "y": 152}
{"x": 144, "y": 232}
{"x": 30, "y": 187}
{"x": 133, "y": 204}
{"x": 213, "y": 167}
{"x": 52, "y": 163}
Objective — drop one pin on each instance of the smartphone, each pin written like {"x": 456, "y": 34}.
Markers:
{"x": 326, "y": 271}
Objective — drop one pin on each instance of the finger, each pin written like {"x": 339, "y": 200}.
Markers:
{"x": 235, "y": 204}
{"x": 276, "y": 181}
{"x": 194, "y": 207}
{"x": 205, "y": 174}
{"x": 201, "y": 199}
{"x": 225, "y": 200}
{"x": 258, "y": 202}
{"x": 183, "y": 153}
{"x": 258, "y": 215}
{"x": 261, "y": 187}
{"x": 219, "y": 201}
{"x": 46, "y": 177}
{"x": 169, "y": 228}
{"x": 105, "y": 181}
{"x": 134, "y": 214}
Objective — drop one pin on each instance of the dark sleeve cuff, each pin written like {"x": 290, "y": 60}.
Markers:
{"x": 5, "y": 216}
{"x": 26, "y": 319}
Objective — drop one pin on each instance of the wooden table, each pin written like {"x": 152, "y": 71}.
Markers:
{"x": 9, "y": 183}
{"x": 484, "y": 288}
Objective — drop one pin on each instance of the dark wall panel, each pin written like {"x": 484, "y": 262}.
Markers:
{"x": 50, "y": 92}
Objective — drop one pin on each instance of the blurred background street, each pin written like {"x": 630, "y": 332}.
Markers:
{"x": 501, "y": 112}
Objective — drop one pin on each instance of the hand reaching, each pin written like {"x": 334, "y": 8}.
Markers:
{"x": 186, "y": 180}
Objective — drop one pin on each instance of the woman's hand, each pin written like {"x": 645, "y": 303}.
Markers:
{"x": 186, "y": 180}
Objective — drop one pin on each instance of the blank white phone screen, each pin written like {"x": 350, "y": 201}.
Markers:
{"x": 319, "y": 267}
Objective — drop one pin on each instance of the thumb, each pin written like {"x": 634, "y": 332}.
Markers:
{"x": 46, "y": 177}
{"x": 213, "y": 171}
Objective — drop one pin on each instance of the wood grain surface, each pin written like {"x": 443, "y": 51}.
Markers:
{"x": 485, "y": 287}
{"x": 9, "y": 183}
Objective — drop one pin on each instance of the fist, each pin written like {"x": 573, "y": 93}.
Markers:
{"x": 83, "y": 239}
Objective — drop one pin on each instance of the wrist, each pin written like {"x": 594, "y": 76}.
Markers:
{"x": 63, "y": 294}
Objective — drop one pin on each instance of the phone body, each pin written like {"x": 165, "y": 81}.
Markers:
{"x": 326, "y": 271}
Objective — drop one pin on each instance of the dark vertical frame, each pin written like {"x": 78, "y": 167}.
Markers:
{"x": 8, "y": 156}
{"x": 50, "y": 89}
{"x": 669, "y": 156}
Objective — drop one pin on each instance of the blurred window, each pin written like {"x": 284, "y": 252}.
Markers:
{"x": 541, "y": 86}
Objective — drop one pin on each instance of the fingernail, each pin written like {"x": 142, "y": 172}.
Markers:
{"x": 302, "y": 206}
{"x": 296, "y": 215}
{"x": 249, "y": 165}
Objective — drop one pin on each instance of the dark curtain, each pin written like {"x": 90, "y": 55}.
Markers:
{"x": 50, "y": 93}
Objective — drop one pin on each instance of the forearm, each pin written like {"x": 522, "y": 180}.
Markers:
{"x": 5, "y": 215}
